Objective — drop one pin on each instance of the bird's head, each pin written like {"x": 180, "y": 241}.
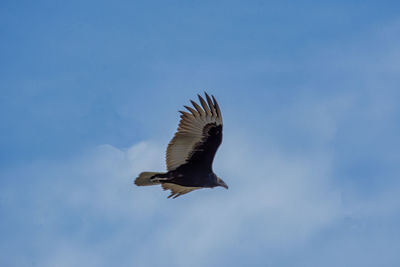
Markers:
{"x": 220, "y": 182}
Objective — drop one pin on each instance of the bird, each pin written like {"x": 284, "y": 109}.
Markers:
{"x": 190, "y": 153}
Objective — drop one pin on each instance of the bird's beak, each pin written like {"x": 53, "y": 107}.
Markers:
{"x": 223, "y": 184}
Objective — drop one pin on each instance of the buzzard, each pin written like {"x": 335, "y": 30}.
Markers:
{"x": 191, "y": 151}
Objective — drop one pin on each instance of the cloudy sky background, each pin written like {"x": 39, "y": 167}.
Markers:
{"x": 309, "y": 93}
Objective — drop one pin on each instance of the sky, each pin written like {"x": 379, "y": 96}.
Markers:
{"x": 309, "y": 93}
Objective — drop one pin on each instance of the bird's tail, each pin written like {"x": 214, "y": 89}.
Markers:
{"x": 146, "y": 178}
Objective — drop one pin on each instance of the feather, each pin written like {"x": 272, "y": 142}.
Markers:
{"x": 198, "y": 108}
{"x": 205, "y": 107}
{"x": 177, "y": 190}
{"x": 217, "y": 108}
{"x": 210, "y": 103}
{"x": 195, "y": 114}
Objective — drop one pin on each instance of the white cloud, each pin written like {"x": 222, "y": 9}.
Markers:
{"x": 89, "y": 206}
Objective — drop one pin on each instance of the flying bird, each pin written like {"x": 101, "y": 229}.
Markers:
{"x": 191, "y": 151}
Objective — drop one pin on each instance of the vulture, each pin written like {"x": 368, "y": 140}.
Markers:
{"x": 191, "y": 151}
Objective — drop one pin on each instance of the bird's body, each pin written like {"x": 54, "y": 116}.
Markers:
{"x": 191, "y": 152}
{"x": 190, "y": 175}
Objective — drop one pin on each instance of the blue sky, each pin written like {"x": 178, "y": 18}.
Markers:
{"x": 309, "y": 94}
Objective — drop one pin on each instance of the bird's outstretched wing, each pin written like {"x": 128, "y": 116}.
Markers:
{"x": 199, "y": 135}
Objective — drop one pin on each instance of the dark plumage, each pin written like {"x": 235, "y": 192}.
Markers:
{"x": 191, "y": 151}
